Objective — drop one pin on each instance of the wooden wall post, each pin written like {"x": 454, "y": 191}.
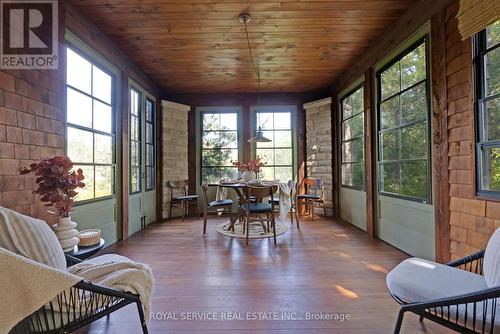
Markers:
{"x": 370, "y": 166}
{"x": 440, "y": 136}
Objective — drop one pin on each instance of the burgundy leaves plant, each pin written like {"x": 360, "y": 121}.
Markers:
{"x": 57, "y": 182}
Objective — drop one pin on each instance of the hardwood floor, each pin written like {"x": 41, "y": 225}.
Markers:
{"x": 327, "y": 266}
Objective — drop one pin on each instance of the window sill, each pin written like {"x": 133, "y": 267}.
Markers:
{"x": 488, "y": 197}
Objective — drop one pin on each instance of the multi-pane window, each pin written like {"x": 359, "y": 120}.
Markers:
{"x": 150, "y": 146}
{"x": 278, "y": 153}
{"x": 403, "y": 129}
{"x": 487, "y": 64}
{"x": 219, "y": 146}
{"x": 135, "y": 141}
{"x": 90, "y": 141}
{"x": 353, "y": 149}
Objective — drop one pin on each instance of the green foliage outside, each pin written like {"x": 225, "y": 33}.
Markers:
{"x": 404, "y": 127}
{"x": 492, "y": 107}
{"x": 219, "y": 146}
{"x": 353, "y": 169}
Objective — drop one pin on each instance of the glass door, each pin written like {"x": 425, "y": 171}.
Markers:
{"x": 142, "y": 199}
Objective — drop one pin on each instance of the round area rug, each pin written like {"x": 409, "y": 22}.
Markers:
{"x": 256, "y": 231}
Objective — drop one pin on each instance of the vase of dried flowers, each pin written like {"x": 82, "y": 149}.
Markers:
{"x": 57, "y": 181}
{"x": 249, "y": 170}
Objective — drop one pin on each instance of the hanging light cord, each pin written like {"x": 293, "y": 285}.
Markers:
{"x": 255, "y": 68}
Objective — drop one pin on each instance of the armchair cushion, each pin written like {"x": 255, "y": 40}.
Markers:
{"x": 491, "y": 264}
{"x": 31, "y": 238}
{"x": 419, "y": 280}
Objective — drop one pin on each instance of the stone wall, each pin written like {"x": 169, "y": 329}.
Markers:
{"x": 175, "y": 149}
{"x": 319, "y": 146}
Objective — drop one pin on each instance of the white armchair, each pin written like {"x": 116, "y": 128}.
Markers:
{"x": 461, "y": 295}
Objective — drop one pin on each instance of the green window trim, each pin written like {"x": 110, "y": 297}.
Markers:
{"x": 347, "y": 122}
{"x": 107, "y": 165}
{"x": 403, "y": 115}
{"x": 486, "y": 63}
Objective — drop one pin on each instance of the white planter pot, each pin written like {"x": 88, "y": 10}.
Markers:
{"x": 66, "y": 233}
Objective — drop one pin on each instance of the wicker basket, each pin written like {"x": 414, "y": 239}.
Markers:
{"x": 89, "y": 237}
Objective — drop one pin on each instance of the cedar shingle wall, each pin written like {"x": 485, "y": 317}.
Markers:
{"x": 31, "y": 127}
{"x": 472, "y": 220}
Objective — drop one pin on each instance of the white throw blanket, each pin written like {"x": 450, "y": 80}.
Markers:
{"x": 120, "y": 273}
{"x": 27, "y": 285}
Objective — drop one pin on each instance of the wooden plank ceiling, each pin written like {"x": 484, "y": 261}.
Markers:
{"x": 199, "y": 46}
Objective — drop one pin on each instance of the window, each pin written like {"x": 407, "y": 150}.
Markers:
{"x": 487, "y": 65}
{"x": 403, "y": 126}
{"x": 219, "y": 146}
{"x": 353, "y": 147}
{"x": 277, "y": 154}
{"x": 135, "y": 141}
{"x": 150, "y": 144}
{"x": 90, "y": 130}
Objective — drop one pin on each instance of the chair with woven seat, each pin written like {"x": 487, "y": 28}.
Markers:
{"x": 314, "y": 195}
{"x": 249, "y": 207}
{"x": 217, "y": 206}
{"x": 461, "y": 295}
{"x": 179, "y": 197}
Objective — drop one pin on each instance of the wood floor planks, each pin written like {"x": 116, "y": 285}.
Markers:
{"x": 327, "y": 266}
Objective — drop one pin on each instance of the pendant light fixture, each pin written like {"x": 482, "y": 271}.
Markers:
{"x": 259, "y": 136}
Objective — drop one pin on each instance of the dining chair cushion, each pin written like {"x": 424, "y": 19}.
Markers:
{"x": 491, "y": 264}
{"x": 418, "y": 280}
{"x": 186, "y": 198}
{"x": 224, "y": 202}
{"x": 309, "y": 196}
{"x": 258, "y": 207}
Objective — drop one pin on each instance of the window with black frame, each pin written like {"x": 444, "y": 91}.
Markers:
{"x": 487, "y": 65}
{"x": 352, "y": 140}
{"x": 403, "y": 125}
{"x": 150, "y": 144}
{"x": 90, "y": 132}
{"x": 278, "y": 153}
{"x": 219, "y": 146}
{"x": 135, "y": 141}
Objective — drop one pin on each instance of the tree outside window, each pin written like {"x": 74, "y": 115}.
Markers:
{"x": 487, "y": 65}
{"x": 90, "y": 133}
{"x": 219, "y": 146}
{"x": 403, "y": 134}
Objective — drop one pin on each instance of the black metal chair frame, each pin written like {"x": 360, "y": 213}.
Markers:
{"x": 50, "y": 320}
{"x": 445, "y": 311}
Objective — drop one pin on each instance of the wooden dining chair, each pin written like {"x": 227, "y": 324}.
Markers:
{"x": 179, "y": 197}
{"x": 249, "y": 207}
{"x": 293, "y": 186}
{"x": 294, "y": 210}
{"x": 223, "y": 206}
{"x": 314, "y": 195}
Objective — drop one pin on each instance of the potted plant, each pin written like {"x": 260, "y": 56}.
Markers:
{"x": 56, "y": 185}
